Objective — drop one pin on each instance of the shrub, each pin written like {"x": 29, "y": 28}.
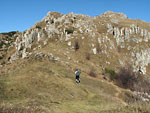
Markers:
{"x": 128, "y": 79}
{"x": 5, "y": 50}
{"x": 52, "y": 21}
{"x": 69, "y": 31}
{"x": 10, "y": 33}
{"x": 72, "y": 21}
{"x": 3, "y": 63}
{"x": 111, "y": 73}
{"x": 92, "y": 73}
{"x": 98, "y": 48}
{"x": 76, "y": 46}
{"x": 119, "y": 49}
{"x": 88, "y": 57}
{"x": 1, "y": 57}
{"x": 38, "y": 27}
{"x": 1, "y": 44}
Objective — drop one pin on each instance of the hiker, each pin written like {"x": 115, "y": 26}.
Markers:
{"x": 77, "y": 73}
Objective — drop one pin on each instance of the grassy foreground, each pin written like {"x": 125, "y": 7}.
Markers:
{"x": 43, "y": 86}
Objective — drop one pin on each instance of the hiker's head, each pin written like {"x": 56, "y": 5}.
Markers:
{"x": 77, "y": 70}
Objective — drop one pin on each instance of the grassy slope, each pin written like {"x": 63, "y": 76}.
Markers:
{"x": 49, "y": 87}
{"x": 37, "y": 85}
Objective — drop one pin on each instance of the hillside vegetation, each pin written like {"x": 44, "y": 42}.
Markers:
{"x": 37, "y": 66}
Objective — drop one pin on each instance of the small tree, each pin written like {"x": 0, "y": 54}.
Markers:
{"x": 126, "y": 77}
{"x": 88, "y": 57}
{"x": 76, "y": 46}
{"x": 92, "y": 73}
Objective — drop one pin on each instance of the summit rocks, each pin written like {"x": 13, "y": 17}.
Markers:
{"x": 108, "y": 36}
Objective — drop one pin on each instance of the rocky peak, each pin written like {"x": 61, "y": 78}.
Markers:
{"x": 107, "y": 35}
{"x": 111, "y": 14}
{"x": 52, "y": 15}
{"x": 113, "y": 17}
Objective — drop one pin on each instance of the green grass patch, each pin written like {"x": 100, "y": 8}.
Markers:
{"x": 111, "y": 73}
{"x": 69, "y": 31}
{"x": 2, "y": 89}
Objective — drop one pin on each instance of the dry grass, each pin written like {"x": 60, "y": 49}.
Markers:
{"x": 42, "y": 85}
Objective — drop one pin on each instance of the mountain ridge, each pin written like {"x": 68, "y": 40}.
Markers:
{"x": 37, "y": 65}
{"x": 87, "y": 25}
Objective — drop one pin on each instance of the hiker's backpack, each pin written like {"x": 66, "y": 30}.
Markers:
{"x": 77, "y": 73}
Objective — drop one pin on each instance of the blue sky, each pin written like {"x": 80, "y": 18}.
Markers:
{"x": 22, "y": 14}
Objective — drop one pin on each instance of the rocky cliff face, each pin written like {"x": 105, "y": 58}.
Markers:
{"x": 111, "y": 36}
{"x": 6, "y": 43}
{"x": 136, "y": 40}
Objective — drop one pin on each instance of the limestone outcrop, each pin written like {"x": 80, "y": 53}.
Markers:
{"x": 108, "y": 35}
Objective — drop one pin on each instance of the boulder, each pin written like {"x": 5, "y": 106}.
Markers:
{"x": 94, "y": 51}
